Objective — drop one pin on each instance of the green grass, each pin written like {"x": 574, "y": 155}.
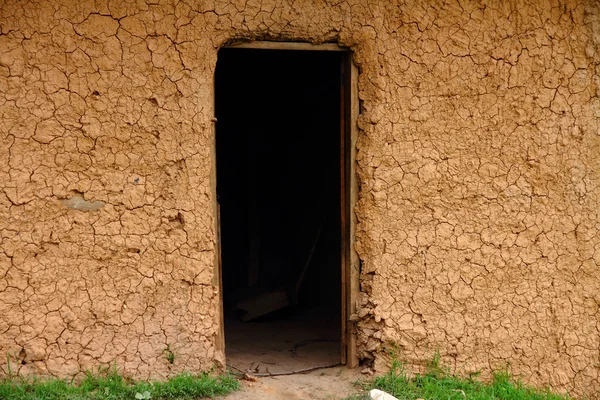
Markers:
{"x": 438, "y": 384}
{"x": 110, "y": 385}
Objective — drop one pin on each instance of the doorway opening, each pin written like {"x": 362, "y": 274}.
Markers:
{"x": 283, "y": 194}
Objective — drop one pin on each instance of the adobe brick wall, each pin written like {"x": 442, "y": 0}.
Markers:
{"x": 478, "y": 161}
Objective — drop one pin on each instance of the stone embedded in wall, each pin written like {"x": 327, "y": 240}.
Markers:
{"x": 80, "y": 204}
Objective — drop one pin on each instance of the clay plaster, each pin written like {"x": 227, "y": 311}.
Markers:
{"x": 478, "y": 163}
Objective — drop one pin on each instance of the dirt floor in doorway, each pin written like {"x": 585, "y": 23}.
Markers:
{"x": 300, "y": 340}
{"x": 330, "y": 384}
{"x": 304, "y": 339}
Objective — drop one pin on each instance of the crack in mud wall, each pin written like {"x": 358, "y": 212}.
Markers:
{"x": 478, "y": 162}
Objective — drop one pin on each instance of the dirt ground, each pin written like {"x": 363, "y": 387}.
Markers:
{"x": 331, "y": 383}
{"x": 285, "y": 345}
{"x": 290, "y": 343}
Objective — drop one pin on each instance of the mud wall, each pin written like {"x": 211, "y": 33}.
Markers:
{"x": 478, "y": 162}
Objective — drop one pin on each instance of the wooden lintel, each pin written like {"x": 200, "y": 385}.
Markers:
{"x": 264, "y": 45}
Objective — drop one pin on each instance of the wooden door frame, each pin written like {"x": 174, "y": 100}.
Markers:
{"x": 350, "y": 264}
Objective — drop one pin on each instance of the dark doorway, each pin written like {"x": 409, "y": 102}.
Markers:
{"x": 279, "y": 144}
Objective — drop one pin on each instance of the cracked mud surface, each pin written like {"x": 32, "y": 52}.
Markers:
{"x": 478, "y": 162}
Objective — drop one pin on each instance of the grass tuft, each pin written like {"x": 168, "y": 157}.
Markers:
{"x": 437, "y": 383}
{"x": 111, "y": 385}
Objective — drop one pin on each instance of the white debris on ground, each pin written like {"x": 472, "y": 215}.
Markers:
{"x": 377, "y": 394}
